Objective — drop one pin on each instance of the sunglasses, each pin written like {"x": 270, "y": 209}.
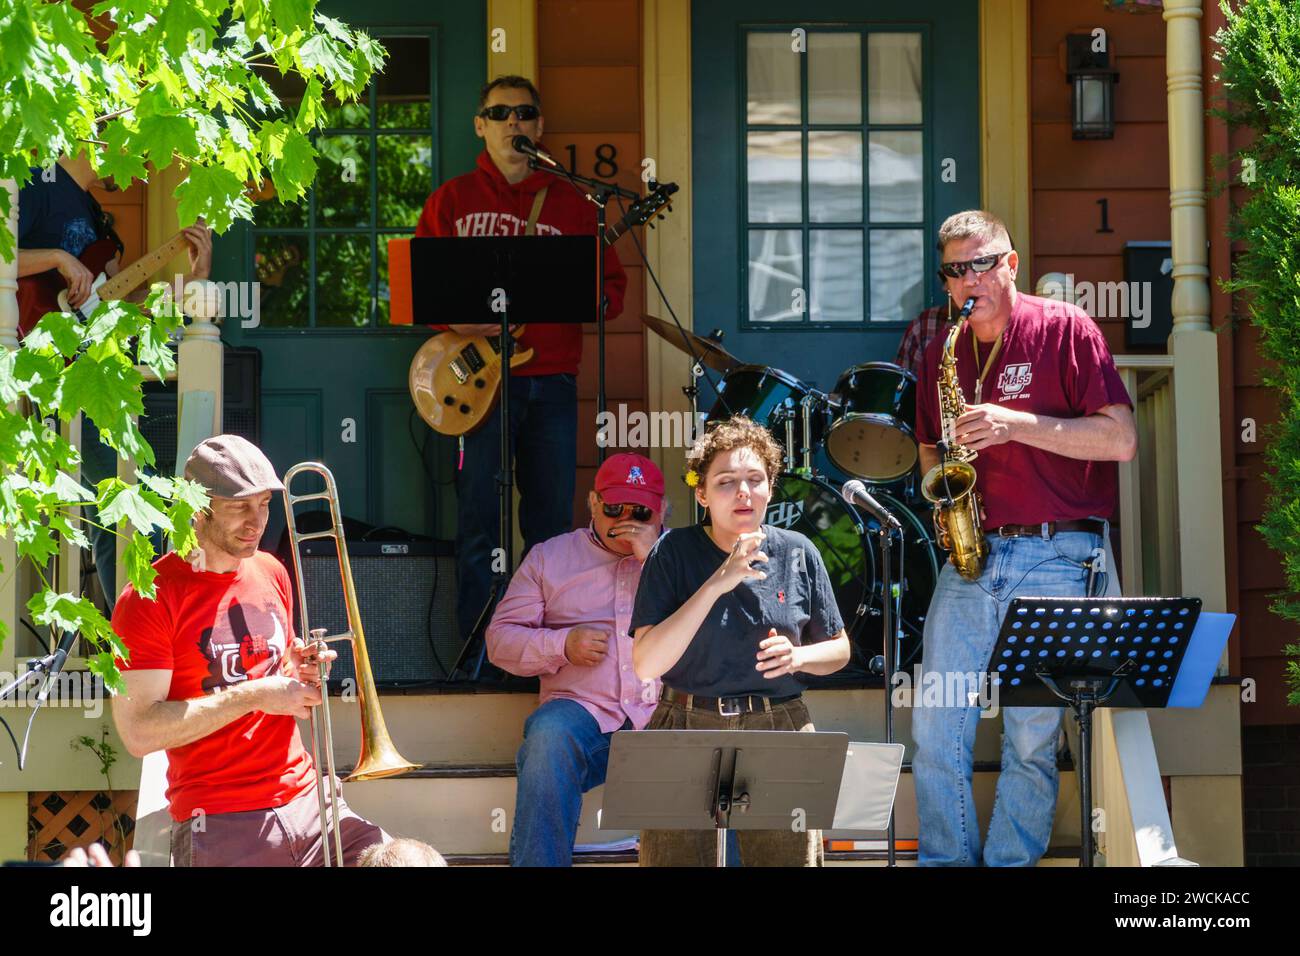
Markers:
{"x": 639, "y": 512}
{"x": 523, "y": 113}
{"x": 955, "y": 270}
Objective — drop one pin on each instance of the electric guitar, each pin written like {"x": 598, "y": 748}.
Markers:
{"x": 48, "y": 291}
{"x": 455, "y": 379}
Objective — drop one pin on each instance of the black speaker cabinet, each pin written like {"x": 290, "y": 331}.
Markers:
{"x": 406, "y": 591}
{"x": 240, "y": 407}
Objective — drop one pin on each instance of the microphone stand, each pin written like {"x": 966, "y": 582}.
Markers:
{"x": 885, "y": 537}
{"x": 51, "y": 664}
{"x": 599, "y": 192}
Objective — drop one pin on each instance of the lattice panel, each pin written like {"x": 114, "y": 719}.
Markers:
{"x": 58, "y": 820}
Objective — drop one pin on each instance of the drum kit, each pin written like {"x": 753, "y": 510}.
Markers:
{"x": 865, "y": 428}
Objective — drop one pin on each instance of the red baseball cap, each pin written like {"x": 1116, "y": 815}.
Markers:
{"x": 626, "y": 478}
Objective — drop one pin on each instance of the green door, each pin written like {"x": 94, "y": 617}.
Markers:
{"x": 333, "y": 379}
{"x": 829, "y": 140}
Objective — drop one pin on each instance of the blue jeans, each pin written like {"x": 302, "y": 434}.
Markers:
{"x": 563, "y": 755}
{"x": 544, "y": 447}
{"x": 960, "y": 632}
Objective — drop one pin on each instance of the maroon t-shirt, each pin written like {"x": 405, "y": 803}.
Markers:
{"x": 1054, "y": 361}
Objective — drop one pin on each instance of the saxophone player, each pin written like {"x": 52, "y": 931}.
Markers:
{"x": 1043, "y": 409}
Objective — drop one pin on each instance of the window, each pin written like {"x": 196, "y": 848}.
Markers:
{"x": 323, "y": 263}
{"x": 835, "y": 208}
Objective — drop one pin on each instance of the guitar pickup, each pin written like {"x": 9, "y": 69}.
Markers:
{"x": 473, "y": 360}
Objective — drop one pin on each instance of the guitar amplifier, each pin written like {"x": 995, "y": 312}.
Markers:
{"x": 240, "y": 407}
{"x": 406, "y": 592}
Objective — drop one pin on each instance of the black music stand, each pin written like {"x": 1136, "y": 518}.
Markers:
{"x": 1103, "y": 652}
{"x": 722, "y": 780}
{"x": 502, "y": 279}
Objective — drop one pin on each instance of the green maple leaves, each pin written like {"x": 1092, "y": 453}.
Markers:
{"x": 181, "y": 81}
{"x": 174, "y": 81}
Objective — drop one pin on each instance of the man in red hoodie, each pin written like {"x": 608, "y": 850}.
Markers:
{"x": 499, "y": 198}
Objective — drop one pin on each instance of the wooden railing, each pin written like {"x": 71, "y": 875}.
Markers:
{"x": 1134, "y": 828}
{"x": 1148, "y": 485}
{"x": 53, "y": 765}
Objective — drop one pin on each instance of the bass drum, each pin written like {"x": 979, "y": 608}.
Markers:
{"x": 918, "y": 559}
{"x": 846, "y": 541}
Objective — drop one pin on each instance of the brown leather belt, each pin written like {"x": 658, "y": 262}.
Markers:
{"x": 1054, "y": 528}
{"x": 725, "y": 706}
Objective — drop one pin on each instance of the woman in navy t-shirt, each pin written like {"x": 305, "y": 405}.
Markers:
{"x": 726, "y": 614}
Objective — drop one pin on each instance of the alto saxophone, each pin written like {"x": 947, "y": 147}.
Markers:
{"x": 950, "y": 485}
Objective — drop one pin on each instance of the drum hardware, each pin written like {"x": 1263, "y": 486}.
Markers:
{"x": 855, "y": 493}
{"x": 872, "y": 436}
{"x": 813, "y": 507}
{"x": 700, "y": 349}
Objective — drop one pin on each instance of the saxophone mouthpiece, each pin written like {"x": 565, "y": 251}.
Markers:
{"x": 966, "y": 307}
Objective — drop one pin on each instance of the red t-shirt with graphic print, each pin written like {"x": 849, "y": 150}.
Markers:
{"x": 1054, "y": 361}
{"x": 213, "y": 631}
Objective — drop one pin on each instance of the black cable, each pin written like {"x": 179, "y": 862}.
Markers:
{"x": 422, "y": 451}
{"x": 686, "y": 340}
{"x": 49, "y": 648}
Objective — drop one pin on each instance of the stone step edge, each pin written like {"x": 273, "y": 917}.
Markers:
{"x": 626, "y": 857}
{"x": 475, "y": 771}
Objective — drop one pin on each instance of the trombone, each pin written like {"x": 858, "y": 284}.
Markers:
{"x": 379, "y": 758}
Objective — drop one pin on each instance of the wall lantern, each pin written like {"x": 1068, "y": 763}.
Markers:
{"x": 1135, "y": 6}
{"x": 1092, "y": 86}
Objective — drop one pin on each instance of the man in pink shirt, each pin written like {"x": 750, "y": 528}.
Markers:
{"x": 565, "y": 619}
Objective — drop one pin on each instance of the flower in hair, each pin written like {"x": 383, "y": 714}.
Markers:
{"x": 692, "y": 477}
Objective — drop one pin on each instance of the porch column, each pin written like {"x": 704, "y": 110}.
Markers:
{"x": 9, "y": 608}
{"x": 1193, "y": 345}
{"x": 13, "y": 805}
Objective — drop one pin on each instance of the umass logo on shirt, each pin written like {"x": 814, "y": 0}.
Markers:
{"x": 1015, "y": 379}
{"x": 244, "y": 643}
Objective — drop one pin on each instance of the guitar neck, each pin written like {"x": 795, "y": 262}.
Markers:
{"x": 134, "y": 275}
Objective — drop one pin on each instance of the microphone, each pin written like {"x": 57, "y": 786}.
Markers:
{"x": 855, "y": 493}
{"x": 52, "y": 664}
{"x": 523, "y": 144}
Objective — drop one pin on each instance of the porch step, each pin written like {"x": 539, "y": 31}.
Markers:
{"x": 467, "y": 811}
{"x": 1055, "y": 856}
{"x": 476, "y": 726}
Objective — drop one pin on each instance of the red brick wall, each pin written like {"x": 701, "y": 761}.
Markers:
{"x": 589, "y": 64}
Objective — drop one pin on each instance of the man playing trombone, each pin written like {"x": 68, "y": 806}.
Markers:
{"x": 216, "y": 678}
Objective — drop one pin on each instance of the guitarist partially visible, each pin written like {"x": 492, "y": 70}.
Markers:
{"x": 58, "y": 219}
{"x": 501, "y": 198}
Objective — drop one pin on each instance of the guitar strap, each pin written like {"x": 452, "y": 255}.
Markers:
{"x": 538, "y": 200}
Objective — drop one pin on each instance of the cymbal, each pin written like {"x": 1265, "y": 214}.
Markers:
{"x": 710, "y": 353}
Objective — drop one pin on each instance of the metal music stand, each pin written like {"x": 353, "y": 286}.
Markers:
{"x": 503, "y": 279}
{"x": 722, "y": 780}
{"x": 1103, "y": 652}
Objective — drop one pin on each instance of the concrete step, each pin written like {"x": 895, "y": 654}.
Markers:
{"x": 468, "y": 810}
{"x": 466, "y": 737}
{"x": 475, "y": 726}
{"x": 1056, "y": 856}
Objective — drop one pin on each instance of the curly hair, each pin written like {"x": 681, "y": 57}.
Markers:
{"x": 735, "y": 432}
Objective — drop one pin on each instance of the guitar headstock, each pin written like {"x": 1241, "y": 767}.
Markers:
{"x": 272, "y": 268}
{"x": 654, "y": 205}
